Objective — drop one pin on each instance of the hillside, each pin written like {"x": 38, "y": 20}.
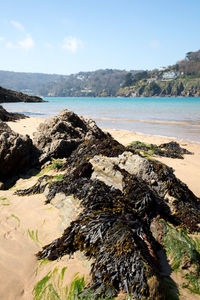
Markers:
{"x": 181, "y": 79}
{"x": 26, "y": 82}
{"x": 98, "y": 83}
{"x": 95, "y": 84}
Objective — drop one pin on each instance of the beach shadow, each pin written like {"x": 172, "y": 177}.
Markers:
{"x": 167, "y": 283}
{"x": 26, "y": 174}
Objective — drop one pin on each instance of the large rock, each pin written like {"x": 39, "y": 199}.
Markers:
{"x": 59, "y": 136}
{"x": 5, "y": 116}
{"x": 118, "y": 195}
{"x": 7, "y": 96}
{"x": 180, "y": 200}
{"x": 16, "y": 153}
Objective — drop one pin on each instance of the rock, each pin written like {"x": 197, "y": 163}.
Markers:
{"x": 105, "y": 171}
{"x": 7, "y": 96}
{"x": 4, "y": 128}
{"x": 6, "y": 116}
{"x": 62, "y": 134}
{"x": 174, "y": 147}
{"x": 159, "y": 177}
{"x": 1, "y": 185}
{"x": 16, "y": 153}
{"x": 171, "y": 149}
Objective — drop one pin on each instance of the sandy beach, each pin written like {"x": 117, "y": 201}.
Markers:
{"x": 27, "y": 224}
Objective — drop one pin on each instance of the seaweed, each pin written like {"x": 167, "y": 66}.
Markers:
{"x": 52, "y": 286}
{"x": 89, "y": 148}
{"x": 113, "y": 229}
{"x": 184, "y": 252}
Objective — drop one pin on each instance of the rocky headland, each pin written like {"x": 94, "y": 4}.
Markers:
{"x": 125, "y": 211}
{"x": 7, "y": 96}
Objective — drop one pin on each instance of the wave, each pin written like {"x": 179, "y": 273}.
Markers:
{"x": 142, "y": 121}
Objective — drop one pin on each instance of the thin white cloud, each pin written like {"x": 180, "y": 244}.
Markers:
{"x": 72, "y": 44}
{"x": 10, "y": 45}
{"x": 154, "y": 44}
{"x": 1, "y": 38}
{"x": 17, "y": 25}
{"x": 27, "y": 43}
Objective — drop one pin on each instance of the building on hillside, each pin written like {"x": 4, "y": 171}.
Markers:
{"x": 170, "y": 75}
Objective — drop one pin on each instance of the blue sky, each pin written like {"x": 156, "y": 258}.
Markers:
{"x": 64, "y": 37}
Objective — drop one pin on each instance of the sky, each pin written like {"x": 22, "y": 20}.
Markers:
{"x": 65, "y": 36}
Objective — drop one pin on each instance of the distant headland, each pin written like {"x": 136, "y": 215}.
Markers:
{"x": 7, "y": 96}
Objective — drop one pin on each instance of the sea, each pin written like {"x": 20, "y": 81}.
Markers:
{"x": 170, "y": 117}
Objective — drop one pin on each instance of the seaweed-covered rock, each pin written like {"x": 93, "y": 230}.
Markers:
{"x": 174, "y": 147}
{"x": 60, "y": 135}
{"x": 16, "y": 153}
{"x": 171, "y": 149}
{"x": 120, "y": 194}
{"x": 113, "y": 229}
{"x": 159, "y": 177}
{"x": 5, "y": 116}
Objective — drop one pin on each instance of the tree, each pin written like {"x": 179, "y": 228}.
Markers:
{"x": 128, "y": 79}
{"x": 195, "y": 56}
{"x": 141, "y": 75}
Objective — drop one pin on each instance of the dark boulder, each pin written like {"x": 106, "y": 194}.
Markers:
{"x": 7, "y": 96}
{"x": 5, "y": 116}
{"x": 59, "y": 136}
{"x": 17, "y": 153}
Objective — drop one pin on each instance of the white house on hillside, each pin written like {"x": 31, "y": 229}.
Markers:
{"x": 169, "y": 75}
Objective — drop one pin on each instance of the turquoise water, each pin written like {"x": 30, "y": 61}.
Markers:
{"x": 171, "y": 117}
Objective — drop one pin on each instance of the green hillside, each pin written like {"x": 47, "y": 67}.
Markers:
{"x": 181, "y": 79}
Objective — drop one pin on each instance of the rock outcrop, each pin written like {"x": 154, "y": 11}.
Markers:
{"x": 5, "y": 116}
{"x": 16, "y": 153}
{"x": 7, "y": 96}
{"x": 59, "y": 136}
{"x": 119, "y": 194}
